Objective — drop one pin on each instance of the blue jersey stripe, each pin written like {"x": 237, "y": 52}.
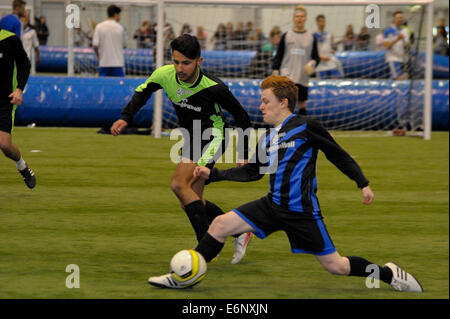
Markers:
{"x": 292, "y": 132}
{"x": 295, "y": 187}
{"x": 276, "y": 195}
{"x": 314, "y": 200}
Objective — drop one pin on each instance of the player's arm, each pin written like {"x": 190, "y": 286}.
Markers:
{"x": 23, "y": 70}
{"x": 338, "y": 156}
{"x": 276, "y": 64}
{"x": 138, "y": 100}
{"x": 315, "y": 52}
{"x": 229, "y": 102}
{"x": 252, "y": 171}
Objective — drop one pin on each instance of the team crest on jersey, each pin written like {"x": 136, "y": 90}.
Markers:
{"x": 181, "y": 91}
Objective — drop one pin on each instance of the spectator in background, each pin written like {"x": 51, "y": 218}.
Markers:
{"x": 219, "y": 37}
{"x": 143, "y": 36}
{"x": 11, "y": 22}
{"x": 348, "y": 40}
{"x": 249, "y": 31}
{"x": 260, "y": 66}
{"x": 29, "y": 38}
{"x": 396, "y": 42}
{"x": 363, "y": 40}
{"x": 379, "y": 42}
{"x": 440, "y": 41}
{"x": 109, "y": 42}
{"x": 274, "y": 40}
{"x": 329, "y": 66}
{"x": 239, "y": 37}
{"x": 229, "y": 35}
{"x": 297, "y": 56}
{"x": 42, "y": 30}
{"x": 186, "y": 29}
{"x": 202, "y": 37}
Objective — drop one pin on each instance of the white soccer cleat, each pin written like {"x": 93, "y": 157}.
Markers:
{"x": 240, "y": 246}
{"x": 165, "y": 281}
{"x": 403, "y": 281}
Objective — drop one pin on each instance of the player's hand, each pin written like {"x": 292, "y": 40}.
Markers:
{"x": 276, "y": 72}
{"x": 401, "y": 36}
{"x": 241, "y": 162}
{"x": 310, "y": 67}
{"x": 202, "y": 172}
{"x": 16, "y": 97}
{"x": 368, "y": 195}
{"x": 118, "y": 126}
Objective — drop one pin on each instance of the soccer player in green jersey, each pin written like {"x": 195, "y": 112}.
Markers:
{"x": 198, "y": 99}
{"x": 14, "y": 72}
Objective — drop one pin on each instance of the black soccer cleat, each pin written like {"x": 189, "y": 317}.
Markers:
{"x": 28, "y": 177}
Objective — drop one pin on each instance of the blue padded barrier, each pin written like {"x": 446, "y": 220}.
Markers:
{"x": 356, "y": 64}
{"x": 97, "y": 102}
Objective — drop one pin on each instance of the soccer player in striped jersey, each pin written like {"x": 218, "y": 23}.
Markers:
{"x": 15, "y": 69}
{"x": 291, "y": 205}
{"x": 198, "y": 98}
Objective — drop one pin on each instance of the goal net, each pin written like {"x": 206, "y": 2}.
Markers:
{"x": 360, "y": 85}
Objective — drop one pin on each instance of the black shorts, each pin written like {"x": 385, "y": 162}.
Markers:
{"x": 302, "y": 92}
{"x": 306, "y": 235}
{"x": 204, "y": 152}
{"x": 7, "y": 118}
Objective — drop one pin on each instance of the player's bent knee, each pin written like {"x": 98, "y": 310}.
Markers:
{"x": 5, "y": 144}
{"x": 219, "y": 227}
{"x": 177, "y": 186}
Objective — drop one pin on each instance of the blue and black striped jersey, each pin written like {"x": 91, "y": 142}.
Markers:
{"x": 290, "y": 158}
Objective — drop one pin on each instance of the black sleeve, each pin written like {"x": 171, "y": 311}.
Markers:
{"x": 315, "y": 52}
{"x": 334, "y": 153}
{"x": 22, "y": 63}
{"x": 138, "y": 101}
{"x": 279, "y": 54}
{"x": 253, "y": 171}
{"x": 229, "y": 102}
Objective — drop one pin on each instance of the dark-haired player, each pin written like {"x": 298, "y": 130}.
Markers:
{"x": 198, "y": 99}
{"x": 291, "y": 205}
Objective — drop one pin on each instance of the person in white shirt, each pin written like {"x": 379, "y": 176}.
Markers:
{"x": 396, "y": 41}
{"x": 330, "y": 66}
{"x": 109, "y": 41}
{"x": 30, "y": 39}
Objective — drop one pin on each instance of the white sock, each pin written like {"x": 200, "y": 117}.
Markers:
{"x": 20, "y": 164}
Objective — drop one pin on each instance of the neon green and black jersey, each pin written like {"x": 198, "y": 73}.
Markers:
{"x": 201, "y": 100}
{"x": 14, "y": 65}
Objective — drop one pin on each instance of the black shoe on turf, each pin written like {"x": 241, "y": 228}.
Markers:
{"x": 28, "y": 177}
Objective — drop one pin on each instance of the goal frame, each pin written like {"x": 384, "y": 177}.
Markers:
{"x": 160, "y": 5}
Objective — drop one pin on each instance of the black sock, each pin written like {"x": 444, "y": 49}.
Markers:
{"x": 212, "y": 211}
{"x": 197, "y": 216}
{"x": 209, "y": 247}
{"x": 359, "y": 265}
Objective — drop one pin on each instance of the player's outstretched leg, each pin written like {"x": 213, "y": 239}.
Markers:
{"x": 360, "y": 267}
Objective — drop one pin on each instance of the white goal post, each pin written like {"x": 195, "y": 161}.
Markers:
{"x": 162, "y": 6}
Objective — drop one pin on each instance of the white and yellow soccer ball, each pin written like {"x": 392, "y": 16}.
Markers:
{"x": 188, "y": 267}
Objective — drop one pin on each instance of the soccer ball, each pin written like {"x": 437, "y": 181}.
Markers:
{"x": 188, "y": 267}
